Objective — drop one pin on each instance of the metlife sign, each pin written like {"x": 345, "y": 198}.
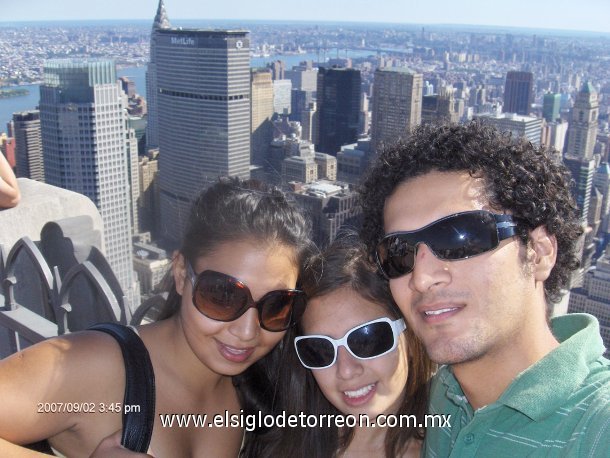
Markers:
{"x": 183, "y": 41}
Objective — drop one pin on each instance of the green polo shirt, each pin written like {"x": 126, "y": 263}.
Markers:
{"x": 559, "y": 407}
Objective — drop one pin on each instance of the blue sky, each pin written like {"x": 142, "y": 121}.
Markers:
{"x": 593, "y": 15}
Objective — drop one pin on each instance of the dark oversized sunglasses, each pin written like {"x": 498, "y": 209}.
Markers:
{"x": 222, "y": 297}
{"x": 365, "y": 341}
{"x": 458, "y": 236}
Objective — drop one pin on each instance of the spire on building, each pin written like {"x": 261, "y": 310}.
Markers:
{"x": 161, "y": 19}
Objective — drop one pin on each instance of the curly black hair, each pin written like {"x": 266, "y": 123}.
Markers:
{"x": 519, "y": 177}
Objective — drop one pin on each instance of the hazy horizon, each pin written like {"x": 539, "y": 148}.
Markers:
{"x": 558, "y": 15}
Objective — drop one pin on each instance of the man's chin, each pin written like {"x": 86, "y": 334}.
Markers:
{"x": 453, "y": 352}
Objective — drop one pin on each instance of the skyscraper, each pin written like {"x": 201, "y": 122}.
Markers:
{"x": 82, "y": 122}
{"x": 309, "y": 121}
{"x": 601, "y": 182}
{"x": 278, "y": 70}
{"x": 282, "y": 90}
{"x": 303, "y": 78}
{"x": 148, "y": 200}
{"x": 582, "y": 171}
{"x": 131, "y": 150}
{"x": 338, "y": 100}
{"x": 439, "y": 108}
{"x": 28, "y": 145}
{"x": 582, "y": 132}
{"x": 329, "y": 206}
{"x": 582, "y": 129}
{"x": 518, "y": 92}
{"x": 304, "y": 85}
{"x": 554, "y": 134}
{"x": 262, "y": 112}
{"x": 203, "y": 112}
{"x": 299, "y": 102}
{"x": 550, "y": 106}
{"x": 397, "y": 104}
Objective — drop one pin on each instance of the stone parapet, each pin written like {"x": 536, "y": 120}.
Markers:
{"x": 41, "y": 203}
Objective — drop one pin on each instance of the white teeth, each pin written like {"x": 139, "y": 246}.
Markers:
{"x": 235, "y": 351}
{"x": 359, "y": 392}
{"x": 438, "y": 312}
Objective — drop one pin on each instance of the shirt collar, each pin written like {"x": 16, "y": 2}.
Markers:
{"x": 453, "y": 390}
{"x": 543, "y": 387}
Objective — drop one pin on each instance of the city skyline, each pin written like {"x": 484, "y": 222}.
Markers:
{"x": 548, "y": 14}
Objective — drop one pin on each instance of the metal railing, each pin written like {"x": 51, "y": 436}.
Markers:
{"x": 26, "y": 268}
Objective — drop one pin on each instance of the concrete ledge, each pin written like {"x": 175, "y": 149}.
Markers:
{"x": 41, "y": 203}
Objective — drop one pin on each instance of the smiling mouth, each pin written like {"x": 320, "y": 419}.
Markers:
{"x": 236, "y": 355}
{"x": 236, "y": 351}
{"x": 360, "y": 392}
{"x": 440, "y": 312}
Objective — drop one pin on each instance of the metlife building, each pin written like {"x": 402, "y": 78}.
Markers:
{"x": 202, "y": 93}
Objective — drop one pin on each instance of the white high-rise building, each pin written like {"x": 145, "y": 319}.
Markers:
{"x": 281, "y": 96}
{"x": 82, "y": 117}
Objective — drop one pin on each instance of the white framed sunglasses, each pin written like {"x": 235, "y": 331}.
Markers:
{"x": 366, "y": 341}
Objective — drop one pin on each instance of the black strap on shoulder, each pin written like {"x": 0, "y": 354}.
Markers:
{"x": 139, "y": 401}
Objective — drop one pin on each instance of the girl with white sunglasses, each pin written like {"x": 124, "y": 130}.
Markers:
{"x": 354, "y": 356}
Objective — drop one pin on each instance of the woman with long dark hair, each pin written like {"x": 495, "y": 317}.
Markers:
{"x": 232, "y": 300}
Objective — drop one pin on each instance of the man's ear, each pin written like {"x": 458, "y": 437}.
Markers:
{"x": 179, "y": 272}
{"x": 544, "y": 246}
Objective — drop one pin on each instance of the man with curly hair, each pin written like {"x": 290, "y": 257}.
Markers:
{"x": 477, "y": 233}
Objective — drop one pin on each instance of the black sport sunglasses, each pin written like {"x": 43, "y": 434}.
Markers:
{"x": 457, "y": 236}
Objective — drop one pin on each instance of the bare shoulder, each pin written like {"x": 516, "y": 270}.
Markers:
{"x": 46, "y": 388}
{"x": 66, "y": 360}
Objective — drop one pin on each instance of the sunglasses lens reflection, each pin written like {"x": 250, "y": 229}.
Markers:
{"x": 463, "y": 236}
{"x": 371, "y": 340}
{"x": 219, "y": 297}
{"x": 396, "y": 256}
{"x": 280, "y": 309}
